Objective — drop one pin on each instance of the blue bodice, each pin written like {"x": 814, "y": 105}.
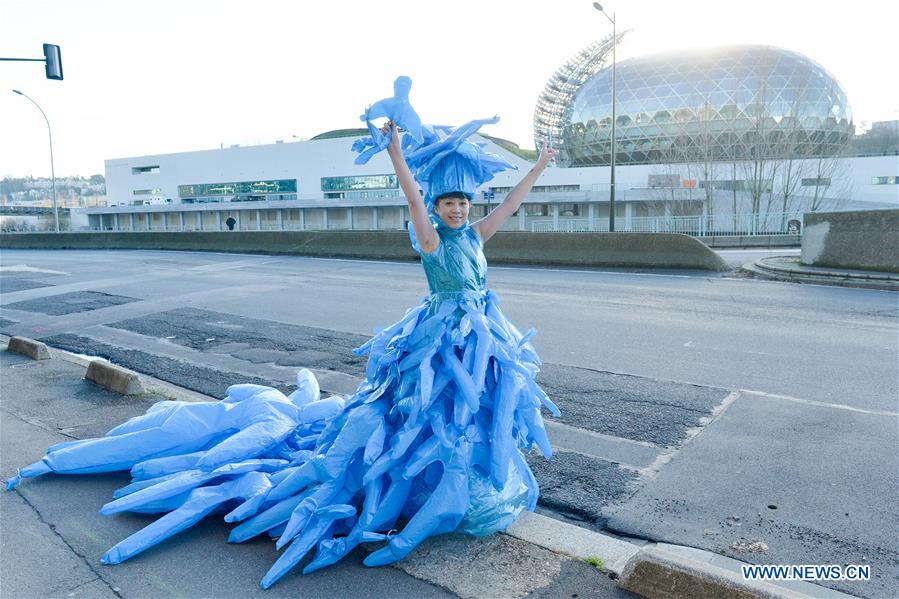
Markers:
{"x": 457, "y": 268}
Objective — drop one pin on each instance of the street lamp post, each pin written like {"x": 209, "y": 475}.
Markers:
{"x": 598, "y": 7}
{"x": 52, "y": 168}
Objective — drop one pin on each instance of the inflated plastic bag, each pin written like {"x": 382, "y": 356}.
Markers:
{"x": 491, "y": 510}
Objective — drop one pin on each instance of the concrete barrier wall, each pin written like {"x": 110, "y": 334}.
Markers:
{"x": 648, "y": 250}
{"x": 864, "y": 239}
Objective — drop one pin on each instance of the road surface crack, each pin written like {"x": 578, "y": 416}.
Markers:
{"x": 39, "y": 424}
{"x": 84, "y": 558}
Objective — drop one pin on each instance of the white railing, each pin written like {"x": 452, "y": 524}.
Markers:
{"x": 571, "y": 225}
{"x": 192, "y": 227}
{"x": 777, "y": 223}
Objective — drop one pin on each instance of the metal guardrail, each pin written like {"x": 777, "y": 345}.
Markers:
{"x": 777, "y": 223}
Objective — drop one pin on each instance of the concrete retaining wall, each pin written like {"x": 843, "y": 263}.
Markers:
{"x": 864, "y": 239}
{"x": 648, "y": 250}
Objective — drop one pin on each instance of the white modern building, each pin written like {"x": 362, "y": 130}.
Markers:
{"x": 315, "y": 185}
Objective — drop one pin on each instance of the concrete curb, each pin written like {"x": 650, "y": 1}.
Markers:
{"x": 577, "y": 542}
{"x": 29, "y": 347}
{"x": 776, "y": 264}
{"x": 659, "y": 570}
{"x": 115, "y": 378}
{"x": 664, "y": 571}
{"x": 151, "y": 384}
{"x": 799, "y": 274}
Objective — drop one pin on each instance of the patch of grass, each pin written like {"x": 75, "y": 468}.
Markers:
{"x": 595, "y": 561}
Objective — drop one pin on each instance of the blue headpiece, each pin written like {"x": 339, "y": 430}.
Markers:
{"x": 441, "y": 158}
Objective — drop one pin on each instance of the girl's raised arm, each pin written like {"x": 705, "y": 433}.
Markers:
{"x": 491, "y": 223}
{"x": 424, "y": 231}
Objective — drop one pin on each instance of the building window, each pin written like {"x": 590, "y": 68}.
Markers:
{"x": 536, "y": 209}
{"x": 360, "y": 182}
{"x": 147, "y": 192}
{"x": 540, "y": 188}
{"x": 884, "y": 180}
{"x": 140, "y": 170}
{"x": 241, "y": 190}
{"x": 816, "y": 182}
{"x": 551, "y": 188}
{"x": 738, "y": 185}
{"x": 663, "y": 181}
{"x": 362, "y": 195}
{"x": 569, "y": 209}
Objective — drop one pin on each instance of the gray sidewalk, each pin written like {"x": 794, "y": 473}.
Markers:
{"x": 52, "y": 536}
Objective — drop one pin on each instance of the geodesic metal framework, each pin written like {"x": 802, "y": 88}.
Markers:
{"x": 554, "y": 102}
{"x": 730, "y": 103}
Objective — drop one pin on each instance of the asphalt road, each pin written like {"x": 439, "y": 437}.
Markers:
{"x": 692, "y": 402}
{"x": 822, "y": 343}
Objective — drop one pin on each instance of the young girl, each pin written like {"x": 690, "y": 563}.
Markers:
{"x": 455, "y": 357}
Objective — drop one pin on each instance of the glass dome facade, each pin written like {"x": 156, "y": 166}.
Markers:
{"x": 731, "y": 103}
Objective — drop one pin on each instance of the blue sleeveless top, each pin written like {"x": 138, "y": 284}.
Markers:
{"x": 457, "y": 269}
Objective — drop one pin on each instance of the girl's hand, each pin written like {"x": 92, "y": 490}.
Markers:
{"x": 547, "y": 155}
{"x": 394, "y": 146}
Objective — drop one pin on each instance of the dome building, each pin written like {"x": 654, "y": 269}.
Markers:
{"x": 721, "y": 104}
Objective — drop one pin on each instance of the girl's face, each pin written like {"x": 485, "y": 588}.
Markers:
{"x": 452, "y": 211}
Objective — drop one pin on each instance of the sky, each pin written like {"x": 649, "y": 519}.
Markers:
{"x": 159, "y": 76}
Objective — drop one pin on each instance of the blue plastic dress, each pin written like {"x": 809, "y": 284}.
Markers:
{"x": 431, "y": 442}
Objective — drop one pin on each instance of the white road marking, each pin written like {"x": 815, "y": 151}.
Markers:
{"x": 26, "y": 268}
{"x": 628, "y": 453}
{"x": 759, "y": 251}
{"x": 822, "y": 404}
{"x": 664, "y": 457}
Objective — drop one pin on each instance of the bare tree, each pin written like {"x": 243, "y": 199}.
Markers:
{"x": 672, "y": 182}
{"x": 830, "y": 183}
{"x": 759, "y": 169}
{"x": 705, "y": 154}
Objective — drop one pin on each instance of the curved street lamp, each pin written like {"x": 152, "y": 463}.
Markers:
{"x": 52, "y": 168}
{"x": 611, "y": 19}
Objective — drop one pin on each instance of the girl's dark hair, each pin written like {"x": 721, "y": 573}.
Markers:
{"x": 452, "y": 194}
